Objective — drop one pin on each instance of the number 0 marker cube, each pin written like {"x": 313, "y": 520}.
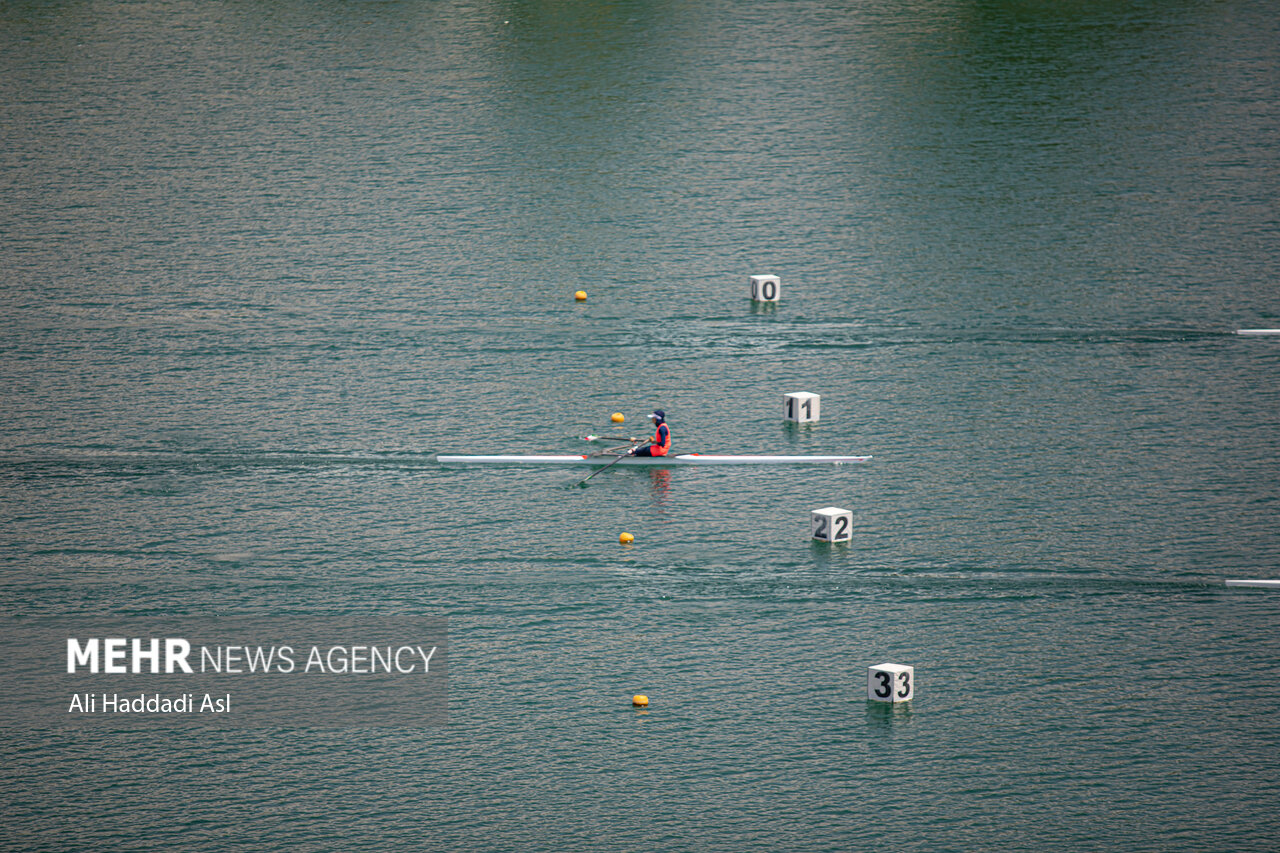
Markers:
{"x": 831, "y": 524}
{"x": 765, "y": 288}
{"x": 891, "y": 682}
{"x": 803, "y": 407}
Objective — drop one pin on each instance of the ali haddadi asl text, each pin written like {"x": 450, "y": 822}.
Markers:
{"x": 115, "y": 703}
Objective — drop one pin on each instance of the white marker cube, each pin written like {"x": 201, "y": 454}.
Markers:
{"x": 890, "y": 682}
{"x": 831, "y": 524}
{"x": 803, "y": 407}
{"x": 765, "y": 288}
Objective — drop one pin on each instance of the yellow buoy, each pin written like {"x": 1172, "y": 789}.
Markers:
{"x": 581, "y": 296}
{"x": 617, "y": 417}
{"x": 625, "y": 538}
{"x": 640, "y": 701}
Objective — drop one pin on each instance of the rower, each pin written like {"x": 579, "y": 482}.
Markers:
{"x": 661, "y": 441}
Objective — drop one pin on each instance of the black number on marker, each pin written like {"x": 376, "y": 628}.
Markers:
{"x": 770, "y": 290}
{"x": 904, "y": 689}
{"x": 842, "y": 526}
{"x": 821, "y": 530}
{"x": 808, "y": 408}
{"x": 791, "y": 408}
{"x": 886, "y": 685}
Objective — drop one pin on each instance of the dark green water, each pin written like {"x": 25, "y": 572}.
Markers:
{"x": 261, "y": 261}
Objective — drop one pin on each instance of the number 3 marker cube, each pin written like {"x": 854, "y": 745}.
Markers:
{"x": 831, "y": 524}
{"x": 890, "y": 682}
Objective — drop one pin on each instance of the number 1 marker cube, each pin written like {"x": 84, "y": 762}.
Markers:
{"x": 831, "y": 524}
{"x": 891, "y": 682}
{"x": 803, "y": 407}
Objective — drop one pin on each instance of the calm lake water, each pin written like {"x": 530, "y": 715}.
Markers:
{"x": 261, "y": 262}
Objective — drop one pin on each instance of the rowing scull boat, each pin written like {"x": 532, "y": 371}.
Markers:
{"x": 665, "y": 461}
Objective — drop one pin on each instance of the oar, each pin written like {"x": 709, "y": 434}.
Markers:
{"x": 583, "y": 482}
{"x": 609, "y": 450}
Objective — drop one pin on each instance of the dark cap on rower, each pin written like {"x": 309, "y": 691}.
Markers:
{"x": 658, "y": 415}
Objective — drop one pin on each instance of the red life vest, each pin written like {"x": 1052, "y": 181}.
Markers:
{"x": 661, "y": 440}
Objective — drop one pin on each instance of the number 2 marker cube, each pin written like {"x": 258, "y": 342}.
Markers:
{"x": 831, "y": 524}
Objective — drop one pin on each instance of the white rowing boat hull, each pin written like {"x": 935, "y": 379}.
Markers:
{"x": 665, "y": 461}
